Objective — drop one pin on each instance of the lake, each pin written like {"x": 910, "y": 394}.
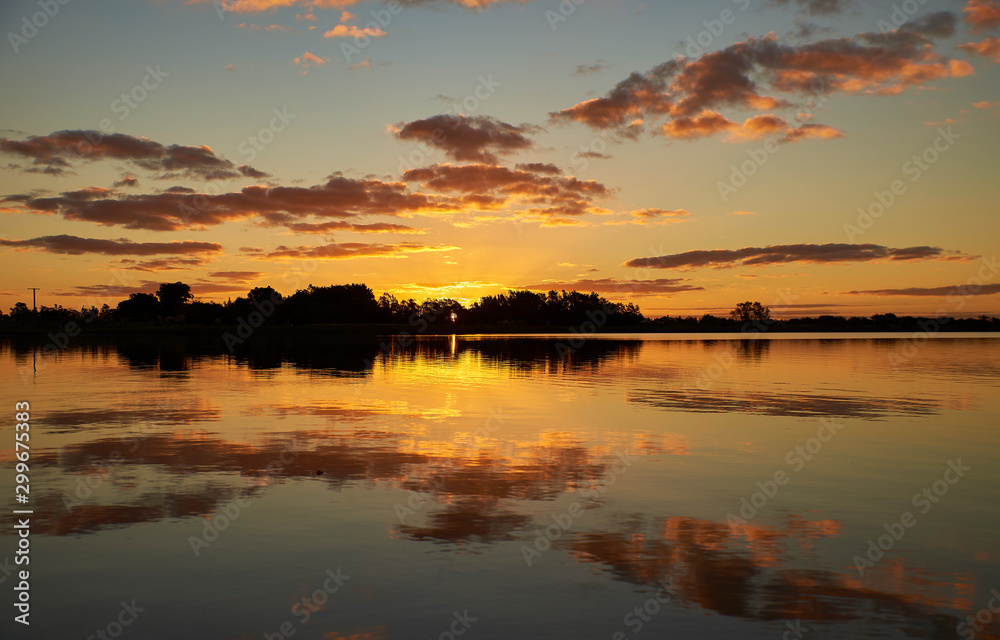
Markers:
{"x": 497, "y": 487}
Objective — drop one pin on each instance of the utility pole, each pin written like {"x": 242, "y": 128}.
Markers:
{"x": 34, "y": 307}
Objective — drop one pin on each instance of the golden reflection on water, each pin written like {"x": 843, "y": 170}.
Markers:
{"x": 494, "y": 436}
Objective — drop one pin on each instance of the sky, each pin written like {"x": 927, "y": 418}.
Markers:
{"x": 819, "y": 156}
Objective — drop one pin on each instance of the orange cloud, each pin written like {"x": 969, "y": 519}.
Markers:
{"x": 982, "y": 14}
{"x": 689, "y": 93}
{"x": 353, "y": 31}
{"x": 988, "y": 48}
{"x": 706, "y": 123}
{"x": 307, "y": 59}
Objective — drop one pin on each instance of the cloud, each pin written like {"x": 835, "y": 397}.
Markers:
{"x": 982, "y": 14}
{"x": 61, "y": 149}
{"x": 532, "y": 190}
{"x": 260, "y": 6}
{"x": 815, "y": 131}
{"x": 237, "y": 276}
{"x": 622, "y": 287}
{"x": 792, "y": 253}
{"x": 706, "y": 123}
{"x": 658, "y": 216}
{"x": 709, "y": 123}
{"x": 988, "y": 48}
{"x": 538, "y": 167}
{"x": 815, "y": 7}
{"x": 957, "y": 290}
{"x": 589, "y": 69}
{"x": 307, "y": 59}
{"x": 177, "y": 209}
{"x": 493, "y": 186}
{"x": 353, "y": 31}
{"x": 161, "y": 264}
{"x": 126, "y": 181}
{"x": 368, "y": 63}
{"x": 149, "y": 286}
{"x": 330, "y": 227}
{"x": 346, "y": 250}
{"x": 689, "y": 93}
{"x": 465, "y": 138}
{"x": 988, "y": 105}
{"x": 74, "y": 245}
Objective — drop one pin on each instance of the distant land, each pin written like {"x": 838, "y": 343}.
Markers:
{"x": 353, "y": 308}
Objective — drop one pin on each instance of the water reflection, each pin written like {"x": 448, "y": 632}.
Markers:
{"x": 170, "y": 431}
{"x": 763, "y": 573}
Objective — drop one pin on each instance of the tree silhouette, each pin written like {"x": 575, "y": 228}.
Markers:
{"x": 139, "y": 306}
{"x": 172, "y": 296}
{"x": 750, "y": 312}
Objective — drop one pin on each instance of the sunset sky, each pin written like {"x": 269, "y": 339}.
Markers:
{"x": 685, "y": 156}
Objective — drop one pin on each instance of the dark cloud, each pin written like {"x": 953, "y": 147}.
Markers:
{"x": 176, "y": 209}
{"x": 792, "y": 253}
{"x": 346, "y": 250}
{"x": 330, "y": 227}
{"x": 814, "y": 7}
{"x": 588, "y": 69}
{"x": 239, "y": 276}
{"x": 126, "y": 181}
{"x": 658, "y": 287}
{"x": 543, "y": 195}
{"x": 538, "y": 167}
{"x": 59, "y": 151}
{"x": 468, "y": 138}
{"x": 161, "y": 264}
{"x": 74, "y": 245}
{"x": 689, "y": 93}
{"x": 957, "y": 290}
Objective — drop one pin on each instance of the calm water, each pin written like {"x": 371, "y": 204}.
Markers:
{"x": 503, "y": 488}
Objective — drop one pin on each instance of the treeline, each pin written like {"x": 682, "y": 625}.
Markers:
{"x": 356, "y": 304}
{"x": 882, "y": 322}
{"x": 173, "y": 304}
